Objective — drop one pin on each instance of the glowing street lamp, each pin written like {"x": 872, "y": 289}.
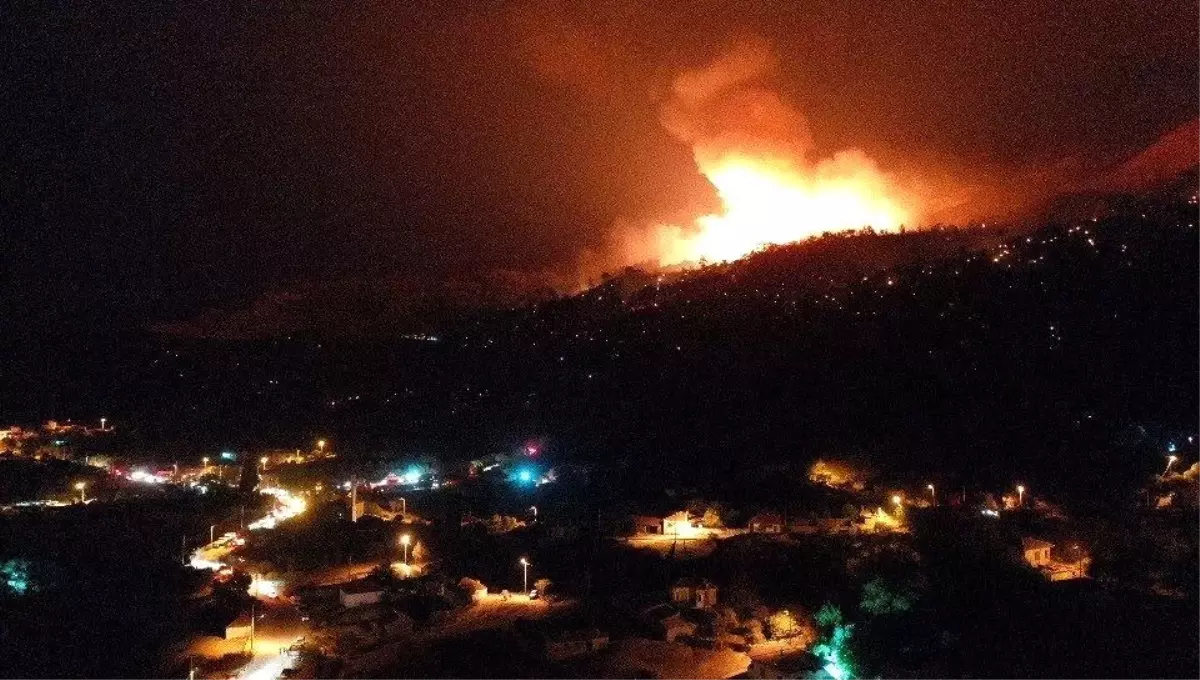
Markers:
{"x": 533, "y": 509}
{"x": 321, "y": 445}
{"x": 403, "y": 507}
{"x": 80, "y": 486}
{"x": 212, "y": 533}
{"x": 1020, "y": 495}
{"x": 205, "y": 461}
{"x": 897, "y": 500}
{"x": 102, "y": 421}
{"x": 525, "y": 569}
{"x": 1170, "y": 461}
{"x": 932, "y": 493}
{"x": 264, "y": 460}
{"x": 404, "y": 541}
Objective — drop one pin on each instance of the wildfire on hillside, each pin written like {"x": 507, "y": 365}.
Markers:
{"x": 755, "y": 149}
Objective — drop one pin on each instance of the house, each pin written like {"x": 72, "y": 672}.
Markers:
{"x": 790, "y": 667}
{"x": 359, "y": 593}
{"x": 675, "y": 524}
{"x": 695, "y": 592}
{"x": 1036, "y": 552}
{"x": 766, "y": 522}
{"x": 239, "y": 627}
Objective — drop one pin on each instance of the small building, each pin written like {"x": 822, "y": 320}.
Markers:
{"x": 766, "y": 522}
{"x": 674, "y": 627}
{"x": 789, "y": 667}
{"x": 694, "y": 592}
{"x": 359, "y": 593}
{"x": 1040, "y": 555}
{"x": 239, "y": 627}
{"x": 1036, "y": 552}
{"x": 675, "y": 524}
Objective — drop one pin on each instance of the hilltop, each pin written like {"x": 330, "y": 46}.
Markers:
{"x": 1070, "y": 347}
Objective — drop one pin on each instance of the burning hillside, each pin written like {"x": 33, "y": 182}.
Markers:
{"x": 755, "y": 149}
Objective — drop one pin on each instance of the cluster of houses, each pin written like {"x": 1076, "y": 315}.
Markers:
{"x": 47, "y": 442}
{"x": 681, "y": 524}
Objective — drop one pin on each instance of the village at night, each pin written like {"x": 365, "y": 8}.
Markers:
{"x": 552, "y": 339}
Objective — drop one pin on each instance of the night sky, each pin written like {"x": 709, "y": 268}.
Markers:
{"x": 160, "y": 161}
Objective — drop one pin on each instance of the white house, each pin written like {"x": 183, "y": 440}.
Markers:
{"x": 360, "y": 593}
{"x": 1036, "y": 552}
{"x": 678, "y": 524}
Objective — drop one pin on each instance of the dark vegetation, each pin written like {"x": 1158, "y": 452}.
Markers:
{"x": 1068, "y": 354}
{"x": 105, "y": 590}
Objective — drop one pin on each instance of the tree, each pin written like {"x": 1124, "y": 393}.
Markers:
{"x": 419, "y": 553}
{"x": 471, "y": 586}
{"x": 829, "y": 617}
{"x": 879, "y": 598}
{"x": 783, "y": 624}
{"x": 249, "y": 479}
{"x": 542, "y": 585}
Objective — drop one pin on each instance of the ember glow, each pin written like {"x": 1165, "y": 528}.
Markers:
{"x": 755, "y": 150}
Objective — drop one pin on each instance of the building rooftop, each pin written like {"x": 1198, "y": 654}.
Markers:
{"x": 359, "y": 587}
{"x": 1028, "y": 543}
{"x": 694, "y": 583}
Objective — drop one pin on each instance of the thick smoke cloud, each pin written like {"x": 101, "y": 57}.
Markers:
{"x": 726, "y": 107}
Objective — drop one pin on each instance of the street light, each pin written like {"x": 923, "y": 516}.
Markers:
{"x": 533, "y": 508}
{"x": 525, "y": 569}
{"x": 897, "y": 500}
{"x": 404, "y": 507}
{"x": 1170, "y": 461}
{"x": 320, "y": 444}
{"x": 932, "y": 493}
{"x": 102, "y": 421}
{"x": 264, "y": 460}
{"x": 212, "y": 533}
{"x": 1020, "y": 496}
{"x": 80, "y": 486}
{"x": 205, "y": 461}
{"x": 404, "y": 541}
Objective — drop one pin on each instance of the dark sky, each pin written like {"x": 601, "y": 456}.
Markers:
{"x": 160, "y": 160}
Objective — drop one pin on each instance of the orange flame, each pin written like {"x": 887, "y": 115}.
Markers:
{"x": 765, "y": 204}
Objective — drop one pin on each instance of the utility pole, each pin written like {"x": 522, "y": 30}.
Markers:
{"x": 183, "y": 550}
{"x": 354, "y": 500}
{"x": 243, "y": 516}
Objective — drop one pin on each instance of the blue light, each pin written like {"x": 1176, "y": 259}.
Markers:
{"x": 413, "y": 475}
{"x": 228, "y": 455}
{"x": 1171, "y": 447}
{"x": 525, "y": 475}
